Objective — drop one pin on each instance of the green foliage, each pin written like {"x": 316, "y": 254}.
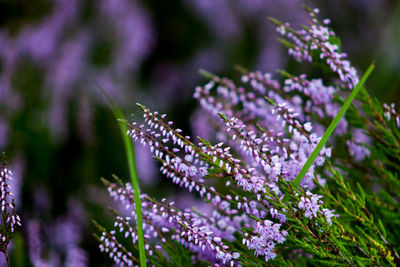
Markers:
{"x": 178, "y": 254}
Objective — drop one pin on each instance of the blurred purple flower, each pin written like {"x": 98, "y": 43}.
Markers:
{"x": 40, "y": 41}
{"x": 41, "y": 201}
{"x": 63, "y": 76}
{"x": 201, "y": 125}
{"x": 59, "y": 43}
{"x": 36, "y": 247}
{"x": 358, "y": 147}
{"x": 133, "y": 29}
{"x": 60, "y": 239}
{"x": 69, "y": 64}
{"x": 146, "y": 166}
{"x": 173, "y": 83}
{"x": 219, "y": 15}
{"x": 76, "y": 257}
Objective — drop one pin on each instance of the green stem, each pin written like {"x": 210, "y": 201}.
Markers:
{"x": 331, "y": 128}
{"x": 130, "y": 154}
{"x": 135, "y": 183}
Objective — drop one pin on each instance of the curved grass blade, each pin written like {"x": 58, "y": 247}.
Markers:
{"x": 331, "y": 128}
{"x": 130, "y": 154}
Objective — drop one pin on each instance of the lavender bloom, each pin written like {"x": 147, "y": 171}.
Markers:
{"x": 133, "y": 29}
{"x": 143, "y": 157}
{"x": 170, "y": 80}
{"x": 188, "y": 171}
{"x": 320, "y": 102}
{"x": 320, "y": 38}
{"x": 267, "y": 235}
{"x": 279, "y": 153}
{"x": 311, "y": 204}
{"x": 390, "y": 113}
{"x": 58, "y": 242}
{"x": 36, "y": 247}
{"x": 270, "y": 135}
{"x": 185, "y": 227}
{"x": 357, "y": 147}
{"x": 10, "y": 217}
{"x": 276, "y": 118}
{"x": 76, "y": 257}
{"x": 321, "y": 98}
{"x": 34, "y": 242}
{"x": 48, "y": 32}
{"x": 201, "y": 125}
{"x": 120, "y": 255}
{"x": 219, "y": 16}
{"x": 63, "y": 55}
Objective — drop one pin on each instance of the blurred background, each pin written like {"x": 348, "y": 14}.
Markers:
{"x": 57, "y": 56}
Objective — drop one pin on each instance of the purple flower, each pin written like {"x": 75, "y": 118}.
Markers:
{"x": 357, "y": 148}
{"x": 187, "y": 228}
{"x": 391, "y": 113}
{"x": 147, "y": 174}
{"x": 8, "y": 208}
{"x": 311, "y": 204}
{"x": 318, "y": 38}
{"x": 267, "y": 236}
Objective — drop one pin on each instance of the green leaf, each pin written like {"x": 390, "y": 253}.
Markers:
{"x": 130, "y": 155}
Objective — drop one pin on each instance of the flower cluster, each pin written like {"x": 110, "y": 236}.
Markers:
{"x": 304, "y": 96}
{"x": 265, "y": 131}
{"x": 286, "y": 140}
{"x": 10, "y": 219}
{"x": 391, "y": 113}
{"x": 7, "y": 207}
{"x": 311, "y": 204}
{"x": 267, "y": 235}
{"x": 57, "y": 243}
{"x": 358, "y": 146}
{"x": 192, "y": 166}
{"x": 161, "y": 220}
{"x": 318, "y": 42}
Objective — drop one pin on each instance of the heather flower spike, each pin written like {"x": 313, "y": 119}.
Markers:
{"x": 10, "y": 219}
{"x": 318, "y": 42}
{"x": 265, "y": 183}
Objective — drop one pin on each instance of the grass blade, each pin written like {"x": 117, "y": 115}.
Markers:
{"x": 130, "y": 155}
{"x": 331, "y": 127}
